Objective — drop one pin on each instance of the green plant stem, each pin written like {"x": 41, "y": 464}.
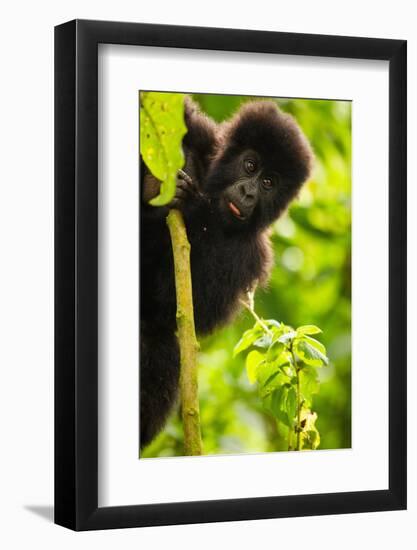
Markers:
{"x": 186, "y": 334}
{"x": 297, "y": 374}
{"x": 257, "y": 318}
{"x": 298, "y": 410}
{"x": 289, "y": 441}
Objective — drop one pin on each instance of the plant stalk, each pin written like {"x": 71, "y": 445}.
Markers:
{"x": 256, "y": 317}
{"x": 297, "y": 374}
{"x": 298, "y": 409}
{"x": 186, "y": 334}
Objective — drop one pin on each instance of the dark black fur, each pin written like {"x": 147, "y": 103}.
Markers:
{"x": 227, "y": 211}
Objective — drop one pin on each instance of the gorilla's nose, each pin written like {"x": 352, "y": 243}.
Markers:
{"x": 247, "y": 193}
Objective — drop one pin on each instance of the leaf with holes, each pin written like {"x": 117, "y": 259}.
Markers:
{"x": 162, "y": 129}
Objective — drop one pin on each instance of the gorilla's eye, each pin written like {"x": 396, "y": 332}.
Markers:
{"x": 250, "y": 166}
{"x": 267, "y": 183}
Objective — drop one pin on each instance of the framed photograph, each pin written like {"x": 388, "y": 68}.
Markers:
{"x": 230, "y": 254}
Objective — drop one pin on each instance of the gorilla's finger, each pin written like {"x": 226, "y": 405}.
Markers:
{"x": 184, "y": 176}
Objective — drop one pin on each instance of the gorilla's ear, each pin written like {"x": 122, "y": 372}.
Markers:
{"x": 276, "y": 136}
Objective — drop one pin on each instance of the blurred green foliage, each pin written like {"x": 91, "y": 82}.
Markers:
{"x": 310, "y": 284}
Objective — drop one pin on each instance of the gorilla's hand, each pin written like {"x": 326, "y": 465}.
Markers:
{"x": 185, "y": 191}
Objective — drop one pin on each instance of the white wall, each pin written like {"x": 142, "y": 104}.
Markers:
{"x": 26, "y": 291}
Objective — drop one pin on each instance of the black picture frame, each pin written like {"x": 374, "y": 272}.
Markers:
{"x": 76, "y": 272}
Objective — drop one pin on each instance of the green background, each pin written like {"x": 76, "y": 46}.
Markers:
{"x": 310, "y": 284}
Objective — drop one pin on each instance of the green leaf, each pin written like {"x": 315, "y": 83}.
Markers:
{"x": 316, "y": 344}
{"x": 272, "y": 323}
{"x": 162, "y": 129}
{"x": 253, "y": 360}
{"x": 274, "y": 351}
{"x": 309, "y": 383}
{"x": 308, "y": 329}
{"x": 285, "y": 358}
{"x": 308, "y": 353}
{"x": 263, "y": 342}
{"x": 248, "y": 338}
{"x": 287, "y": 337}
{"x": 278, "y": 404}
{"x": 269, "y": 379}
{"x": 278, "y": 330}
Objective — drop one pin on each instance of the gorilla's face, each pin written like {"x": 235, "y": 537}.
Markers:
{"x": 250, "y": 191}
{"x": 252, "y": 188}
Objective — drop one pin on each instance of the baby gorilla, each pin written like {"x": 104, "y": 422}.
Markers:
{"x": 238, "y": 178}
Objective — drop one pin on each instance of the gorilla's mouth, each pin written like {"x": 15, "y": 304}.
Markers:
{"x": 235, "y": 211}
